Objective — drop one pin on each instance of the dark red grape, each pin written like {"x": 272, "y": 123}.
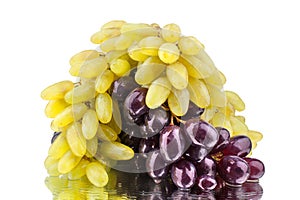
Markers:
{"x": 223, "y": 141}
{"x": 122, "y": 87}
{"x": 55, "y": 135}
{"x": 195, "y": 152}
{"x": 148, "y": 144}
{"x": 257, "y": 168}
{"x": 171, "y": 143}
{"x": 201, "y": 133}
{"x": 156, "y": 166}
{"x": 155, "y": 121}
{"x": 206, "y": 167}
{"x": 183, "y": 174}
{"x": 206, "y": 182}
{"x": 233, "y": 170}
{"x": 193, "y": 112}
{"x": 238, "y": 146}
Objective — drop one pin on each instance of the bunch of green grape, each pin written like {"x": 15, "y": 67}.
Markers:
{"x": 174, "y": 68}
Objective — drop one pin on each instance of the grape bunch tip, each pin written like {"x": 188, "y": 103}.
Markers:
{"x": 151, "y": 94}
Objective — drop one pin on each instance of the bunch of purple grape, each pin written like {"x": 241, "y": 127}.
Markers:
{"x": 186, "y": 149}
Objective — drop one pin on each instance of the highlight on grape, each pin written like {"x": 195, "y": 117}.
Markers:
{"x": 149, "y": 100}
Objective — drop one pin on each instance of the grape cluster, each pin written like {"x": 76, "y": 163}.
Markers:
{"x": 149, "y": 91}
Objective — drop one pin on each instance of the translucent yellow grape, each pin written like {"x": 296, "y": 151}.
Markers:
{"x": 138, "y": 31}
{"x": 255, "y": 136}
{"x": 57, "y": 90}
{"x": 209, "y": 113}
{"x": 51, "y": 166}
{"x": 178, "y": 101}
{"x": 123, "y": 42}
{"x": 177, "y": 75}
{"x": 89, "y": 124}
{"x": 158, "y": 92}
{"x": 217, "y": 95}
{"x": 171, "y": 32}
{"x": 136, "y": 53}
{"x": 71, "y": 113}
{"x": 106, "y": 133}
{"x": 78, "y": 59}
{"x": 168, "y": 53}
{"x": 59, "y": 147}
{"x": 116, "y": 121}
{"x": 199, "y": 94}
{"x": 91, "y": 147}
{"x": 116, "y": 151}
{"x": 79, "y": 171}
{"x": 220, "y": 120}
{"x": 120, "y": 67}
{"x": 235, "y": 100}
{"x": 195, "y": 67}
{"x": 241, "y": 118}
{"x": 109, "y": 44}
{"x": 189, "y": 45}
{"x": 239, "y": 128}
{"x": 54, "y": 107}
{"x": 147, "y": 72}
{"x": 81, "y": 93}
{"x": 104, "y": 107}
{"x": 96, "y": 174}
{"x": 76, "y": 140}
{"x": 68, "y": 162}
{"x": 104, "y": 34}
{"x": 69, "y": 194}
{"x": 92, "y": 68}
{"x": 150, "y": 45}
{"x": 113, "y": 24}
{"x": 112, "y": 55}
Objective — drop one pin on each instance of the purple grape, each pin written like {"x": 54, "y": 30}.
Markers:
{"x": 201, "y": 133}
{"x": 122, "y": 87}
{"x": 183, "y": 174}
{"x": 196, "y": 153}
{"x": 206, "y": 167}
{"x": 155, "y": 121}
{"x": 171, "y": 143}
{"x": 148, "y": 144}
{"x": 193, "y": 112}
{"x": 206, "y": 182}
{"x": 55, "y": 135}
{"x": 135, "y": 104}
{"x": 131, "y": 141}
{"x": 233, "y": 170}
{"x": 156, "y": 166}
{"x": 223, "y": 141}
{"x": 238, "y": 146}
{"x": 257, "y": 168}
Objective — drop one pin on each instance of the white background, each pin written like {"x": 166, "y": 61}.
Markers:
{"x": 255, "y": 43}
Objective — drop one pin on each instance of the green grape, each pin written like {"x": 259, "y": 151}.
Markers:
{"x": 177, "y": 75}
{"x": 106, "y": 133}
{"x": 96, "y": 174}
{"x": 178, "y": 101}
{"x": 79, "y": 171}
{"x": 217, "y": 95}
{"x": 104, "y": 107}
{"x": 215, "y": 79}
{"x": 116, "y": 151}
{"x": 104, "y": 34}
{"x": 91, "y": 147}
{"x": 68, "y": 162}
{"x": 89, "y": 124}
{"x": 138, "y": 31}
{"x": 195, "y": 67}
{"x": 92, "y": 68}
{"x": 51, "y": 166}
{"x": 220, "y": 120}
{"x": 76, "y": 140}
{"x": 123, "y": 42}
{"x": 235, "y": 100}
{"x": 168, "y": 53}
{"x": 199, "y": 94}
{"x": 120, "y": 67}
{"x": 113, "y": 24}
{"x": 255, "y": 136}
{"x": 116, "y": 121}
{"x": 109, "y": 44}
{"x": 150, "y": 45}
{"x": 147, "y": 72}
{"x": 54, "y": 107}
{"x": 113, "y": 55}
{"x": 241, "y": 118}
{"x": 81, "y": 93}
{"x": 189, "y": 45}
{"x": 158, "y": 92}
{"x": 57, "y": 90}
{"x": 59, "y": 147}
{"x": 136, "y": 53}
{"x": 78, "y": 59}
{"x": 238, "y": 127}
{"x": 171, "y": 32}
{"x": 71, "y": 113}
